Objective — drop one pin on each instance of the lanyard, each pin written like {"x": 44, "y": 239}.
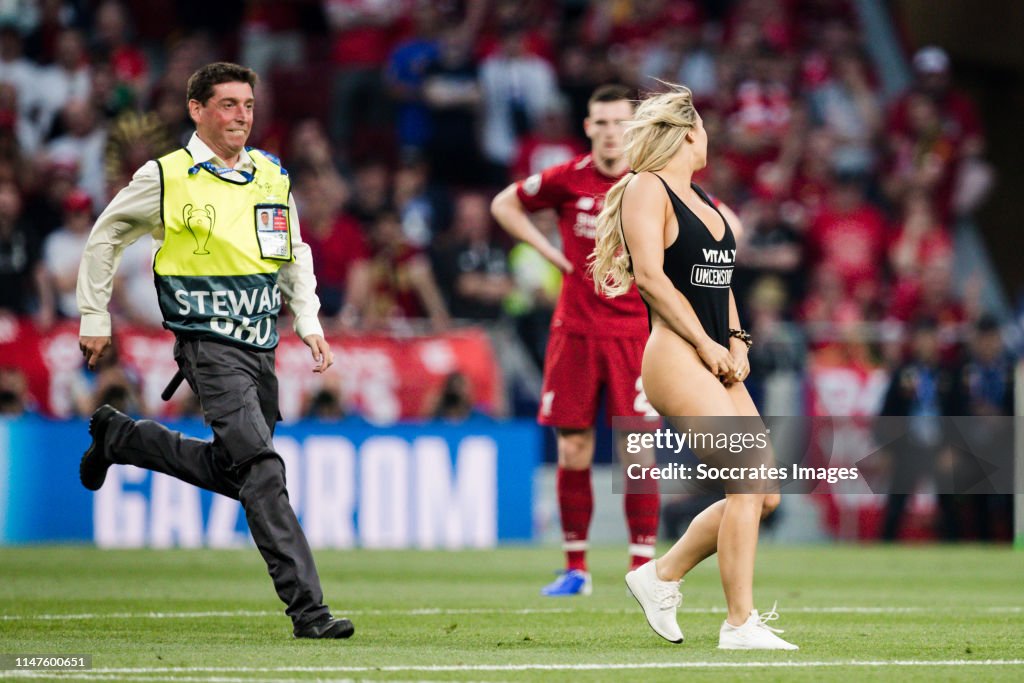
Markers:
{"x": 220, "y": 170}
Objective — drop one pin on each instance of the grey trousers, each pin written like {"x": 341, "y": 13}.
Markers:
{"x": 237, "y": 389}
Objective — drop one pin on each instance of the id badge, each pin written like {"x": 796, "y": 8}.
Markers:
{"x": 273, "y": 232}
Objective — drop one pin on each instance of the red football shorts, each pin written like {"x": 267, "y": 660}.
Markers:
{"x": 576, "y": 367}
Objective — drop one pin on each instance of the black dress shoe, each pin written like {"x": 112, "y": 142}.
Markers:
{"x": 95, "y": 463}
{"x": 326, "y": 627}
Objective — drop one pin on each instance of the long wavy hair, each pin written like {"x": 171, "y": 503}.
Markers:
{"x": 650, "y": 141}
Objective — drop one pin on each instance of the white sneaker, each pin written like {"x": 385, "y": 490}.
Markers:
{"x": 755, "y": 634}
{"x": 659, "y": 600}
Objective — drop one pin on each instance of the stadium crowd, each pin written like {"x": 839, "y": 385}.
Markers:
{"x": 399, "y": 120}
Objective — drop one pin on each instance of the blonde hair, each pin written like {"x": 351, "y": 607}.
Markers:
{"x": 650, "y": 141}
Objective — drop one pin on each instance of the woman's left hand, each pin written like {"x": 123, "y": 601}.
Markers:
{"x": 738, "y": 349}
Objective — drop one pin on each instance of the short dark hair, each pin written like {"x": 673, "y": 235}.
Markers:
{"x": 201, "y": 83}
{"x": 987, "y": 323}
{"x": 612, "y": 92}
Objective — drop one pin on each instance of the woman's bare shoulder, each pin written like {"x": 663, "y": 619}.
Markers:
{"x": 644, "y": 185}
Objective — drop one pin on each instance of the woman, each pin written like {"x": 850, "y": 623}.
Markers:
{"x": 663, "y": 232}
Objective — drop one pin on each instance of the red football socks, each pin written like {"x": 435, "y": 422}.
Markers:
{"x": 642, "y": 504}
{"x": 576, "y": 505}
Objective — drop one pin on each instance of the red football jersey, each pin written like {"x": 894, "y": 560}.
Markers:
{"x": 576, "y": 191}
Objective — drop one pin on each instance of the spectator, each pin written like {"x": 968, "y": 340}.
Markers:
{"x": 677, "y": 55}
{"x": 828, "y": 304}
{"x": 20, "y": 73}
{"x": 581, "y": 70}
{"x": 537, "y": 285}
{"x": 166, "y": 104}
{"x": 779, "y": 348}
{"x": 421, "y": 207}
{"x": 811, "y": 177}
{"x": 923, "y": 389}
{"x": 850, "y": 236}
{"x": 756, "y": 25}
{"x": 68, "y": 78}
{"x": 363, "y": 34}
{"x": 113, "y": 44}
{"x": 472, "y": 270}
{"x": 401, "y": 284}
{"x": 19, "y": 251}
{"x": 325, "y": 405}
{"x": 271, "y": 35}
{"x": 309, "y": 148}
{"x": 452, "y": 94}
{"x": 132, "y": 140}
{"x": 340, "y": 252}
{"x": 760, "y": 116}
{"x": 44, "y": 206}
{"x": 516, "y": 86}
{"x": 183, "y": 58}
{"x": 638, "y": 26}
{"x": 924, "y": 158}
{"x": 84, "y": 144}
{"x": 959, "y": 119}
{"x": 14, "y": 396}
{"x": 455, "y": 401}
{"x": 985, "y": 388}
{"x": 371, "y": 192}
{"x": 109, "y": 96}
{"x": 848, "y": 107}
{"x": 406, "y": 74}
{"x": 112, "y": 382}
{"x": 11, "y": 157}
{"x": 550, "y": 142}
{"x": 986, "y": 379}
{"x": 42, "y": 40}
{"x": 920, "y": 241}
{"x": 57, "y": 273}
{"x": 772, "y": 246}
{"x": 932, "y": 297}
{"x": 134, "y": 300}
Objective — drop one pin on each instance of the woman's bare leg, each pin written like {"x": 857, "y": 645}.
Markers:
{"x": 729, "y": 527}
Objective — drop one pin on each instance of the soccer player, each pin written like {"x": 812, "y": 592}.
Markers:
{"x": 596, "y": 342}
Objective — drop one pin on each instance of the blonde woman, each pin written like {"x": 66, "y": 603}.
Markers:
{"x": 663, "y": 232}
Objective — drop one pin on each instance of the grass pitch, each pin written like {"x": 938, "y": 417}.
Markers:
{"x": 858, "y": 613}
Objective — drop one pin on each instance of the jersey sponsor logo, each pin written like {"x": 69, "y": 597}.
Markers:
{"x": 711, "y": 276}
{"x": 720, "y": 255}
{"x": 531, "y": 186}
{"x": 587, "y": 208}
{"x": 586, "y": 226}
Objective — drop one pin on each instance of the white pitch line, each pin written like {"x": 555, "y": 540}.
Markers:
{"x": 89, "y": 676}
{"x": 458, "y": 668}
{"x": 138, "y": 615}
{"x": 437, "y": 611}
{"x": 85, "y": 676}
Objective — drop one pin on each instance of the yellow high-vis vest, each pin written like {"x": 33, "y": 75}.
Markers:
{"x": 224, "y": 241}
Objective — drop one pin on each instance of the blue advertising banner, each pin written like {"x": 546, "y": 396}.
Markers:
{"x": 352, "y": 484}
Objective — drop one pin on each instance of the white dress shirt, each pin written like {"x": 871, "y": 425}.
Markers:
{"x": 135, "y": 212}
